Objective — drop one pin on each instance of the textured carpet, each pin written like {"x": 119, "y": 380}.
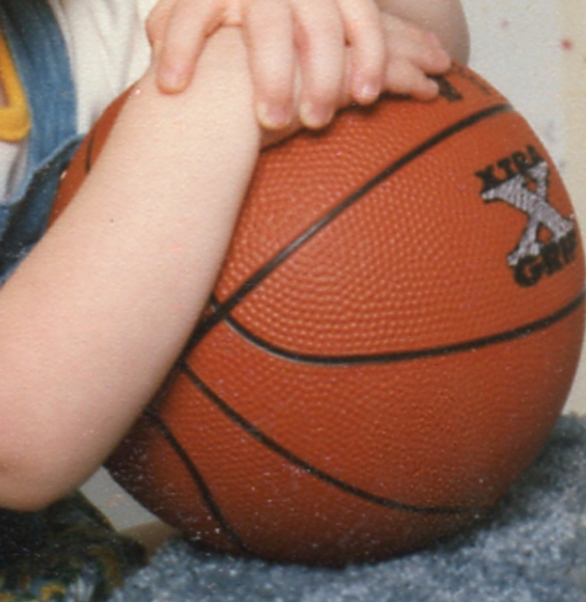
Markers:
{"x": 532, "y": 549}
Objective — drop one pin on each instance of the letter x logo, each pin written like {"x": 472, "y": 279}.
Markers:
{"x": 533, "y": 201}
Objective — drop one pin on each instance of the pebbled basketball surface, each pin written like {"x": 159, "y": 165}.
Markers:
{"x": 392, "y": 337}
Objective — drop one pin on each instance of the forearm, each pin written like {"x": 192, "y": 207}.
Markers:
{"x": 445, "y": 18}
{"x": 93, "y": 319}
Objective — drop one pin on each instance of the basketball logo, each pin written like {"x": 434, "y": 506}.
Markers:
{"x": 524, "y": 185}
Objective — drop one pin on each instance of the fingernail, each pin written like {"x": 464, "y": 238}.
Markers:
{"x": 367, "y": 92}
{"x": 314, "y": 117}
{"x": 272, "y": 116}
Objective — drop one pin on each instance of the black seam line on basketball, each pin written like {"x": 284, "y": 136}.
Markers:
{"x": 415, "y": 354}
{"x": 271, "y": 444}
{"x": 198, "y": 479}
{"x": 229, "y": 304}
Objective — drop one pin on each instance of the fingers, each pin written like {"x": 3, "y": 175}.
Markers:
{"x": 366, "y": 48}
{"x": 319, "y": 38}
{"x": 307, "y": 57}
{"x": 403, "y": 78}
{"x": 412, "y": 55}
{"x": 268, "y": 30}
{"x": 289, "y": 37}
{"x": 419, "y": 46}
{"x": 177, "y": 29}
{"x": 341, "y": 50}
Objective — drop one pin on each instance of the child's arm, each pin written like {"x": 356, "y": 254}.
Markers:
{"x": 95, "y": 316}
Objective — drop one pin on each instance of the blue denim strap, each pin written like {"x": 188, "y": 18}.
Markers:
{"x": 40, "y": 55}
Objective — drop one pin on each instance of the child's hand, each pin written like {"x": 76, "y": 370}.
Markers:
{"x": 177, "y": 31}
{"x": 412, "y": 55}
{"x": 307, "y": 57}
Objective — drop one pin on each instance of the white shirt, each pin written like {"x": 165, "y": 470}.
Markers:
{"x": 108, "y": 51}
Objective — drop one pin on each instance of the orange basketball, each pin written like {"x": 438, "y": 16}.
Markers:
{"x": 392, "y": 337}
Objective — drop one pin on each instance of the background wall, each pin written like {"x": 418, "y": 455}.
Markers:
{"x": 534, "y": 52}
{"x": 518, "y": 46}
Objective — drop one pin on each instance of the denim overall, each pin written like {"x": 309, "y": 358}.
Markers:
{"x": 41, "y": 59}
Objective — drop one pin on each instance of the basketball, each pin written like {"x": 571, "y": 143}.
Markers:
{"x": 391, "y": 339}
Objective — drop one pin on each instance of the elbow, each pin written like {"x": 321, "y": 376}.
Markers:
{"x": 30, "y": 486}
{"x": 30, "y": 503}
{"x": 22, "y": 496}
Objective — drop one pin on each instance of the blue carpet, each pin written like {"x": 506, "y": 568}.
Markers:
{"x": 532, "y": 549}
